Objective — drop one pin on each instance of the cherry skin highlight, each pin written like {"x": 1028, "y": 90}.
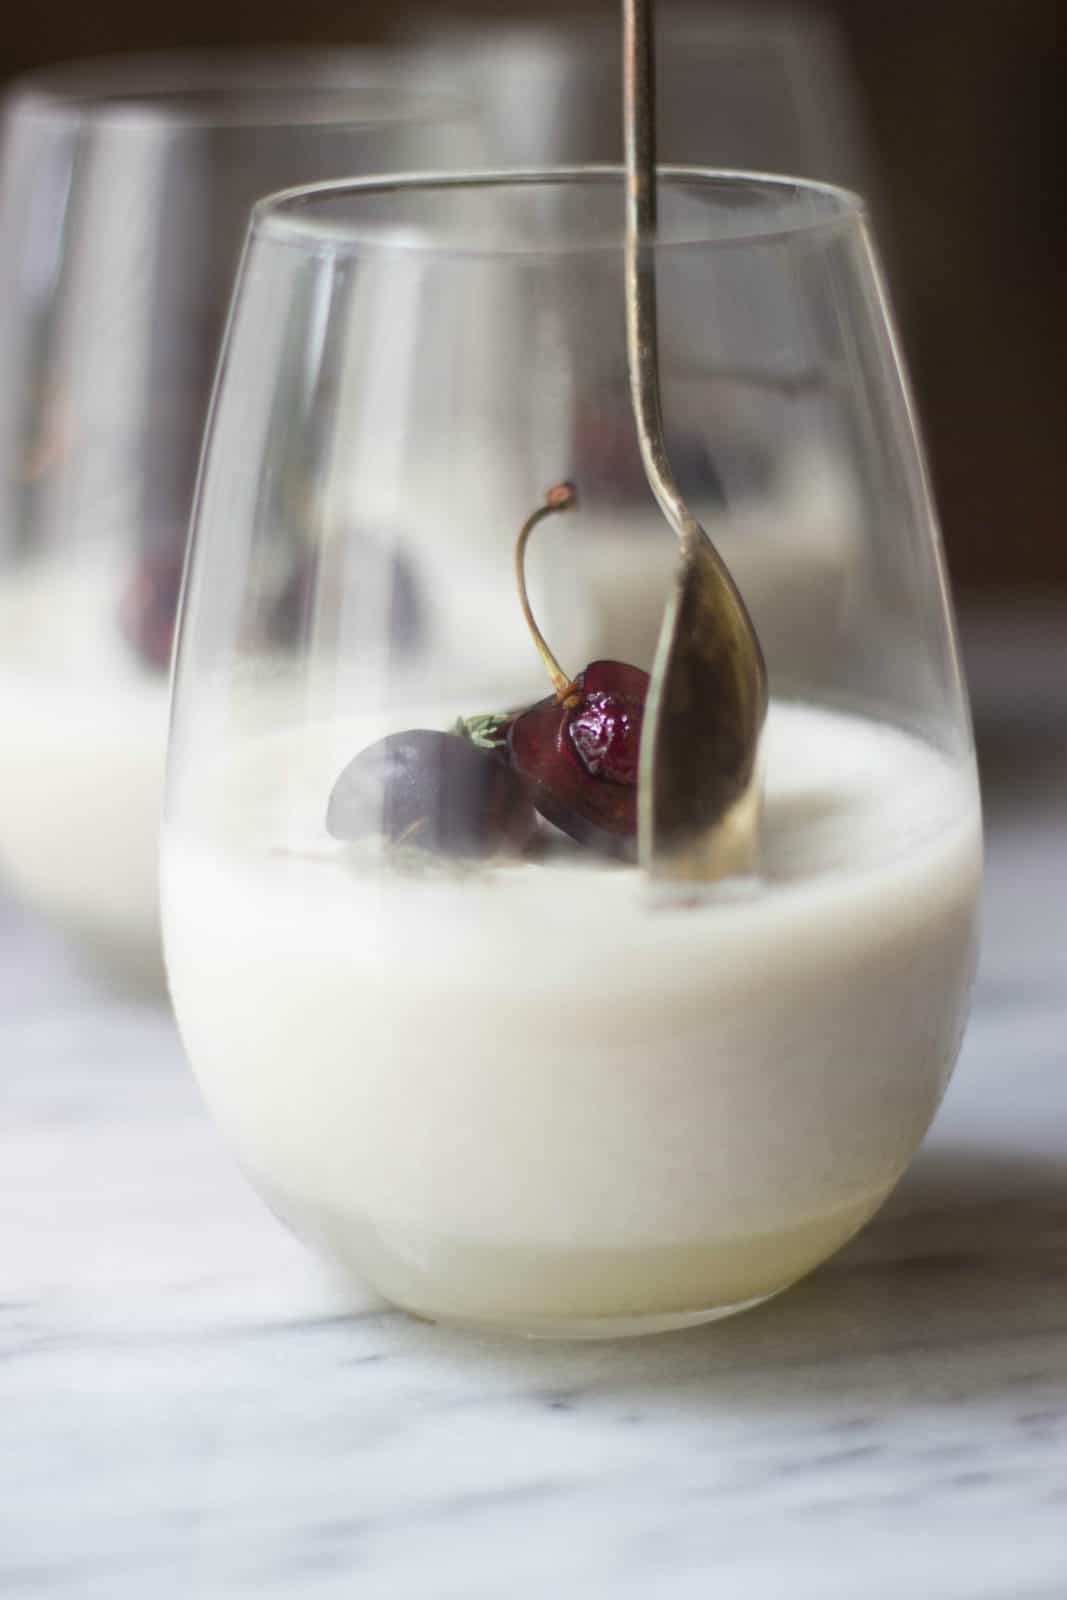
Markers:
{"x": 606, "y": 733}
{"x": 578, "y": 757}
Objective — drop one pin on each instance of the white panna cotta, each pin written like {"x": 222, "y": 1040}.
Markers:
{"x": 81, "y": 768}
{"x": 533, "y": 1096}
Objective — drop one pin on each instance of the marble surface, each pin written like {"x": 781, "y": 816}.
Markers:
{"x": 190, "y": 1407}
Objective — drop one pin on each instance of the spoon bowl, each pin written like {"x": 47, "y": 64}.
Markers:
{"x": 700, "y": 779}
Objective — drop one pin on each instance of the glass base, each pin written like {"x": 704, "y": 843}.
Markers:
{"x": 532, "y": 1291}
{"x": 587, "y": 1329}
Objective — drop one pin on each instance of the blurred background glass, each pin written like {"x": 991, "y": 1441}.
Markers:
{"x": 963, "y": 109}
{"x": 766, "y": 91}
{"x": 124, "y": 198}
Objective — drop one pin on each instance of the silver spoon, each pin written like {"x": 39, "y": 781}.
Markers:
{"x": 699, "y": 773}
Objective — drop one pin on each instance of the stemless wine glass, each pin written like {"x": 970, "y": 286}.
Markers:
{"x": 455, "y": 1037}
{"x": 124, "y": 198}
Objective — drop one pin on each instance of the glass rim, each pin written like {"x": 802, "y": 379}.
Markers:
{"x": 231, "y": 88}
{"x": 283, "y": 217}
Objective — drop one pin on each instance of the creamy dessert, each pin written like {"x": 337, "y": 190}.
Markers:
{"x": 81, "y": 765}
{"x": 80, "y": 788}
{"x": 521, "y": 1092}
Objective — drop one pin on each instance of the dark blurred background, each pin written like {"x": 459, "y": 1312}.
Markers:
{"x": 966, "y": 108}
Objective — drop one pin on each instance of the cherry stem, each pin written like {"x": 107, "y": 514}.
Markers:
{"x": 562, "y": 497}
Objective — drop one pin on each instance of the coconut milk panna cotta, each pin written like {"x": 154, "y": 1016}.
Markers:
{"x": 463, "y": 1045}
{"x": 85, "y": 647}
{"x": 84, "y": 652}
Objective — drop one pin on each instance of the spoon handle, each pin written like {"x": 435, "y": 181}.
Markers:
{"x": 642, "y": 335}
{"x": 699, "y": 781}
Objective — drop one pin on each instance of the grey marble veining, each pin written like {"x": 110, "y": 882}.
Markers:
{"x": 191, "y": 1407}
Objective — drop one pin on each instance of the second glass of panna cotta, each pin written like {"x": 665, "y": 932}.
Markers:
{"x": 454, "y": 1035}
{"x": 125, "y": 188}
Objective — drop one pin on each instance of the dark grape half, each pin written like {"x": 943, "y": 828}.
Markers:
{"x": 433, "y": 791}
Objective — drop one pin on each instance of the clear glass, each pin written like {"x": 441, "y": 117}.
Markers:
{"x": 464, "y": 1050}
{"x": 125, "y": 189}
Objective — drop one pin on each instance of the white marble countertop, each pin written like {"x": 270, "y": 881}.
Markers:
{"x": 189, "y": 1407}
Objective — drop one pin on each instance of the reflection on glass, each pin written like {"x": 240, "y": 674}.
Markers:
{"x": 124, "y": 197}
{"x": 426, "y": 991}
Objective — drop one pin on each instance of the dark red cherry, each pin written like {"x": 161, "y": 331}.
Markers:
{"x": 149, "y": 606}
{"x": 579, "y": 756}
{"x": 433, "y": 791}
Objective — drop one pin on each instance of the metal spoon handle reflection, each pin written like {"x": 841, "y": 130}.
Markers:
{"x": 699, "y": 780}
